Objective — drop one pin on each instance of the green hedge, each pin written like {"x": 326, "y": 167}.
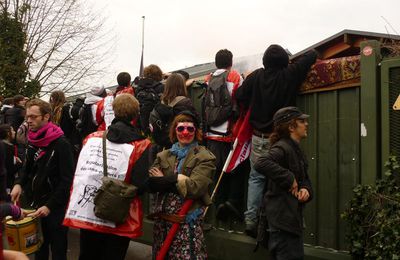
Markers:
{"x": 373, "y": 216}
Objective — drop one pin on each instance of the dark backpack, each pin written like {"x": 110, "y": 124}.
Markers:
{"x": 196, "y": 93}
{"x": 75, "y": 108}
{"x": 218, "y": 101}
{"x": 148, "y": 98}
{"x": 159, "y": 121}
{"x": 85, "y": 124}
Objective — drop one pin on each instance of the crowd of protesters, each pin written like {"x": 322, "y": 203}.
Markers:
{"x": 151, "y": 135}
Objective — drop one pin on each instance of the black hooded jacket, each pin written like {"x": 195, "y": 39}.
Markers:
{"x": 121, "y": 131}
{"x": 148, "y": 94}
{"x": 268, "y": 89}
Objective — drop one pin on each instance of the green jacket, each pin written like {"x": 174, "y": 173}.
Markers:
{"x": 199, "y": 166}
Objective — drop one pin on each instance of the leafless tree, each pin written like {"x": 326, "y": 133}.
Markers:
{"x": 66, "y": 42}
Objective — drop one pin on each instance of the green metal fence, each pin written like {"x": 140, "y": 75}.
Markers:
{"x": 333, "y": 151}
{"x": 351, "y": 134}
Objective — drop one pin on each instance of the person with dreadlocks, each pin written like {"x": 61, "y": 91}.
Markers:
{"x": 57, "y": 102}
{"x": 288, "y": 184}
{"x": 60, "y": 115}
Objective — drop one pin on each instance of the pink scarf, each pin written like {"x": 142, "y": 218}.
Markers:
{"x": 45, "y": 135}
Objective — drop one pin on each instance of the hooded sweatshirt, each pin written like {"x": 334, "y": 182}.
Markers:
{"x": 275, "y": 86}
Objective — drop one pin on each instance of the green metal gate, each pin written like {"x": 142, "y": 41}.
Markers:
{"x": 390, "y": 89}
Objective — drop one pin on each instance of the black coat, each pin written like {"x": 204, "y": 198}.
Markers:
{"x": 47, "y": 181}
{"x": 68, "y": 125}
{"x": 15, "y": 116}
{"x": 11, "y": 167}
{"x": 3, "y": 172}
{"x": 267, "y": 90}
{"x": 284, "y": 162}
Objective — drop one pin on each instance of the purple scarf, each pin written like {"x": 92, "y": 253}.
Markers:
{"x": 45, "y": 135}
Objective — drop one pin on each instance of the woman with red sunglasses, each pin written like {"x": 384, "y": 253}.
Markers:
{"x": 185, "y": 171}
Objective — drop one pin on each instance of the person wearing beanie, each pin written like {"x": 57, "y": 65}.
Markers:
{"x": 265, "y": 91}
{"x": 98, "y": 91}
{"x": 289, "y": 186}
{"x": 186, "y": 76}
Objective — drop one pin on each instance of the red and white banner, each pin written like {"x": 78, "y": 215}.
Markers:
{"x": 242, "y": 145}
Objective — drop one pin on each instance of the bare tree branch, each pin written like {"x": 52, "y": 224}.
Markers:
{"x": 66, "y": 43}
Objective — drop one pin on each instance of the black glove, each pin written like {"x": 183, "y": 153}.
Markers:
{"x": 163, "y": 184}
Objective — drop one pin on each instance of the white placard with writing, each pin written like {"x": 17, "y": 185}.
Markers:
{"x": 108, "y": 111}
{"x": 88, "y": 174}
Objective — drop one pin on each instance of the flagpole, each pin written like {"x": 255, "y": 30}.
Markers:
{"x": 141, "y": 60}
{"x": 227, "y": 162}
{"x": 244, "y": 133}
{"x": 143, "y": 17}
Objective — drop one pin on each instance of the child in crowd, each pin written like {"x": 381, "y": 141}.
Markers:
{"x": 8, "y": 209}
{"x": 12, "y": 162}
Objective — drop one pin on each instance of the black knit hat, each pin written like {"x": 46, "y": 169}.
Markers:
{"x": 183, "y": 73}
{"x": 275, "y": 57}
{"x": 286, "y": 114}
{"x": 192, "y": 115}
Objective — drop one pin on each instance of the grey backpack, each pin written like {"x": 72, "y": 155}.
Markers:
{"x": 218, "y": 101}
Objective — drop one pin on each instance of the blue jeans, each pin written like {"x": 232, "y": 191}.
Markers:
{"x": 259, "y": 146}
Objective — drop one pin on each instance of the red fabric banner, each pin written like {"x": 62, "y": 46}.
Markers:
{"x": 242, "y": 145}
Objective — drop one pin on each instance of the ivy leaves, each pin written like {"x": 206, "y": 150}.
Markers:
{"x": 373, "y": 216}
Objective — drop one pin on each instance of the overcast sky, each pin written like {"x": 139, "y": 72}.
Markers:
{"x": 181, "y": 34}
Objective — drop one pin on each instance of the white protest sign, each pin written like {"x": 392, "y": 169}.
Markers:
{"x": 88, "y": 174}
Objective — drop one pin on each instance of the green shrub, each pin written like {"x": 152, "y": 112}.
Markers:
{"x": 373, "y": 216}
